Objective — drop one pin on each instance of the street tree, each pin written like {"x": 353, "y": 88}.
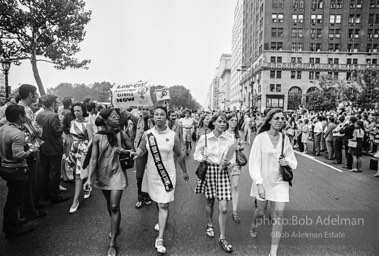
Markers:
{"x": 368, "y": 80}
{"x": 43, "y": 30}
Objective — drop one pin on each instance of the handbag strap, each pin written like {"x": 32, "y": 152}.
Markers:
{"x": 283, "y": 137}
{"x": 205, "y": 139}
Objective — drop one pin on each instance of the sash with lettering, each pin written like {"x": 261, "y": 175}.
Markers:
{"x": 159, "y": 163}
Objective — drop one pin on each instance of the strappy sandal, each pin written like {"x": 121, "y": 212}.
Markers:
{"x": 225, "y": 245}
{"x": 236, "y": 218}
{"x": 160, "y": 247}
{"x": 253, "y": 231}
{"x": 210, "y": 231}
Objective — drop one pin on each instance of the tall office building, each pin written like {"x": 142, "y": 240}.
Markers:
{"x": 235, "y": 88}
{"x": 287, "y": 44}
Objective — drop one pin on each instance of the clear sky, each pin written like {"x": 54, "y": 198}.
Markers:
{"x": 170, "y": 42}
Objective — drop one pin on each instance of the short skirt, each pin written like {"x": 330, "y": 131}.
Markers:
{"x": 216, "y": 184}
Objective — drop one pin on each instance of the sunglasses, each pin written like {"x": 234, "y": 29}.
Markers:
{"x": 277, "y": 118}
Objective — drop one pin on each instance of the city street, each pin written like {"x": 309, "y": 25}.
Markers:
{"x": 331, "y": 212}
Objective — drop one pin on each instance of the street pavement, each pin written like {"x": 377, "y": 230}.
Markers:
{"x": 331, "y": 212}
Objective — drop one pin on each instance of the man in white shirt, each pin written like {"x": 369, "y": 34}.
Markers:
{"x": 317, "y": 135}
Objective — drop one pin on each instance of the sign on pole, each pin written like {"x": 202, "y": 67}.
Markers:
{"x": 163, "y": 94}
{"x": 131, "y": 94}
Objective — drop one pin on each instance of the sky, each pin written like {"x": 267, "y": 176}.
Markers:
{"x": 169, "y": 42}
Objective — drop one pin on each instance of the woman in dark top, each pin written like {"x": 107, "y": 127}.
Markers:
{"x": 356, "y": 152}
{"x": 107, "y": 147}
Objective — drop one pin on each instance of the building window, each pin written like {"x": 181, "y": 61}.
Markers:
{"x": 298, "y": 4}
{"x": 278, "y": 74}
{"x": 335, "y": 19}
{"x": 353, "y": 47}
{"x": 337, "y": 33}
{"x": 293, "y": 74}
{"x": 275, "y": 87}
{"x": 314, "y": 75}
{"x": 315, "y": 47}
{"x": 277, "y": 46}
{"x": 313, "y": 19}
{"x": 272, "y": 73}
{"x": 372, "y": 48}
{"x": 374, "y": 3}
{"x": 317, "y": 4}
{"x": 294, "y": 18}
{"x": 336, "y": 4}
{"x": 280, "y": 17}
{"x": 318, "y": 31}
{"x": 352, "y": 61}
{"x": 279, "y": 59}
{"x": 300, "y": 18}
{"x": 314, "y": 60}
{"x": 355, "y": 4}
{"x": 280, "y": 32}
{"x": 277, "y": 4}
{"x": 272, "y": 102}
{"x": 300, "y": 32}
{"x": 273, "y": 32}
{"x": 298, "y": 75}
{"x": 333, "y": 61}
{"x": 294, "y": 32}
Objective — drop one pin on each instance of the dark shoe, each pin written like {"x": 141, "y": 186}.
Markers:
{"x": 236, "y": 218}
{"x": 20, "y": 230}
{"x": 139, "y": 204}
{"x": 225, "y": 245}
{"x": 59, "y": 199}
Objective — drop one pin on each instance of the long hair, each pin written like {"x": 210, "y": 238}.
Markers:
{"x": 266, "y": 124}
{"x": 201, "y": 122}
{"x": 214, "y": 118}
{"x": 236, "y": 132}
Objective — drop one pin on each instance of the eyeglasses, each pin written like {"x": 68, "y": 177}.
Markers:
{"x": 115, "y": 116}
{"x": 277, "y": 118}
{"x": 145, "y": 109}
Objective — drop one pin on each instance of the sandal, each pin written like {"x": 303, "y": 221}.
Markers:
{"x": 210, "y": 231}
{"x": 225, "y": 245}
{"x": 112, "y": 251}
{"x": 253, "y": 231}
{"x": 236, "y": 218}
{"x": 159, "y": 245}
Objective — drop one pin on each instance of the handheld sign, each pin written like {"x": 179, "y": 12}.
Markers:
{"x": 131, "y": 94}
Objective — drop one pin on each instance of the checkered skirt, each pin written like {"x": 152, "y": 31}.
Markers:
{"x": 216, "y": 184}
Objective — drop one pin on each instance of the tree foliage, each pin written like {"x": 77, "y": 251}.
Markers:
{"x": 180, "y": 96}
{"x": 43, "y": 30}
{"x": 368, "y": 80}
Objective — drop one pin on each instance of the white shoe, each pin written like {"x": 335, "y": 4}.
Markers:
{"x": 87, "y": 193}
{"x": 160, "y": 248}
{"x": 73, "y": 209}
{"x": 156, "y": 227}
{"x": 61, "y": 188}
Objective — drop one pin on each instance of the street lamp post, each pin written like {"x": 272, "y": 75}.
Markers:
{"x": 6, "y": 65}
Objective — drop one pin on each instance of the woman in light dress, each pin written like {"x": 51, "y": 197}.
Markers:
{"x": 81, "y": 133}
{"x": 264, "y": 163}
{"x": 154, "y": 182}
{"x": 305, "y": 135}
{"x": 105, "y": 168}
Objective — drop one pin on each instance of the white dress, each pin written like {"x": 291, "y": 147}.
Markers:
{"x": 264, "y": 167}
{"x": 152, "y": 182}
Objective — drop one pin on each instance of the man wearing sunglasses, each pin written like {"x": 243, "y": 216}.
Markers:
{"x": 143, "y": 125}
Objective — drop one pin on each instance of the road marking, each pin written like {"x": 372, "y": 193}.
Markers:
{"x": 318, "y": 161}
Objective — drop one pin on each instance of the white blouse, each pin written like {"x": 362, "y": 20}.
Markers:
{"x": 216, "y": 147}
{"x": 264, "y": 159}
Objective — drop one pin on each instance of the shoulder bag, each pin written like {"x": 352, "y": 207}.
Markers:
{"x": 127, "y": 161}
{"x": 241, "y": 159}
{"x": 201, "y": 170}
{"x": 285, "y": 171}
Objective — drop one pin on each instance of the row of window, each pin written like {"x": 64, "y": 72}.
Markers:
{"x": 317, "y": 33}
{"x": 316, "y": 47}
{"x": 313, "y": 75}
{"x": 312, "y": 60}
{"x": 318, "y": 18}
{"x": 319, "y": 4}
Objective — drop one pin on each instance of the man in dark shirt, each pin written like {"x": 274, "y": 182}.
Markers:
{"x": 348, "y": 131}
{"x": 52, "y": 150}
{"x": 14, "y": 169}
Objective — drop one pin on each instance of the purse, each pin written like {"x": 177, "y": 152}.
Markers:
{"x": 241, "y": 159}
{"x": 285, "y": 171}
{"x": 127, "y": 161}
{"x": 352, "y": 144}
{"x": 201, "y": 170}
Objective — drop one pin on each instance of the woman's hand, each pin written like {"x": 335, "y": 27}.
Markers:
{"x": 135, "y": 154}
{"x": 119, "y": 150}
{"x": 261, "y": 191}
{"x": 283, "y": 162}
{"x": 87, "y": 185}
{"x": 224, "y": 163}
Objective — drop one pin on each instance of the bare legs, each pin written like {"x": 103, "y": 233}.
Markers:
{"x": 78, "y": 189}
{"x": 277, "y": 212}
{"x": 162, "y": 218}
{"x": 235, "y": 192}
{"x": 113, "y": 198}
{"x": 222, "y": 207}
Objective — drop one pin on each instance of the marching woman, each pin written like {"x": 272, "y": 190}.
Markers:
{"x": 216, "y": 184}
{"x": 187, "y": 124}
{"x": 268, "y": 185}
{"x": 159, "y": 179}
{"x": 234, "y": 168}
{"x": 81, "y": 133}
{"x": 203, "y": 127}
{"x": 107, "y": 147}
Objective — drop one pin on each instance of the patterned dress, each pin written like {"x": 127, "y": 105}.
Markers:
{"x": 79, "y": 146}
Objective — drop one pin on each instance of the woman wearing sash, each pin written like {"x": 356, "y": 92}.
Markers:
{"x": 81, "y": 132}
{"x": 107, "y": 146}
{"x": 159, "y": 179}
{"x": 217, "y": 183}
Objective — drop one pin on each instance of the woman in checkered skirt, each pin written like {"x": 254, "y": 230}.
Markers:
{"x": 216, "y": 184}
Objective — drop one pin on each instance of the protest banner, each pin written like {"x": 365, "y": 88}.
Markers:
{"x": 131, "y": 94}
{"x": 162, "y": 94}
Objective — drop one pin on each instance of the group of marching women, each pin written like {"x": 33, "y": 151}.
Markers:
{"x": 217, "y": 145}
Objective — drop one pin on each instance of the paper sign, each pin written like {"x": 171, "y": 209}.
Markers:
{"x": 131, "y": 94}
{"x": 162, "y": 94}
